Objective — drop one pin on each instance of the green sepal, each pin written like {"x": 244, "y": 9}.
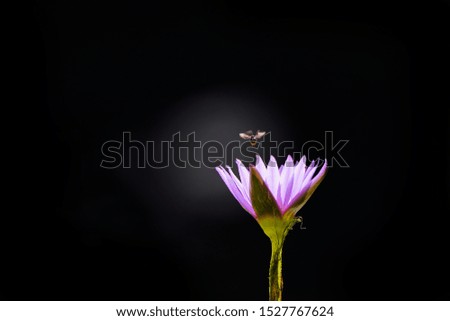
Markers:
{"x": 276, "y": 228}
{"x": 263, "y": 202}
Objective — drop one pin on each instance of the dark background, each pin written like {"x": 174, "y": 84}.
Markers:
{"x": 375, "y": 73}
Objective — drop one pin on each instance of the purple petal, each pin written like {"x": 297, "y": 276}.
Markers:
{"x": 299, "y": 173}
{"x": 310, "y": 168}
{"x": 289, "y": 161}
{"x": 244, "y": 176}
{"x": 273, "y": 176}
{"x": 320, "y": 174}
{"x": 286, "y": 181}
{"x": 234, "y": 190}
{"x": 261, "y": 167}
{"x": 308, "y": 188}
{"x": 239, "y": 185}
{"x": 309, "y": 174}
{"x": 299, "y": 195}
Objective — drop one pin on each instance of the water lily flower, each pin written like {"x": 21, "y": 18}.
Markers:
{"x": 273, "y": 195}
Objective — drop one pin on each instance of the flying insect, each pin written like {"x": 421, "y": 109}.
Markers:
{"x": 252, "y": 138}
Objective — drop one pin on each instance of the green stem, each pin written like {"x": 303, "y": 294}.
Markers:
{"x": 275, "y": 277}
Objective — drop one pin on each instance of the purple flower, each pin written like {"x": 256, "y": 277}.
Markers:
{"x": 287, "y": 188}
{"x": 273, "y": 195}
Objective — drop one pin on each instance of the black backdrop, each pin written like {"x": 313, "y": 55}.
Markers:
{"x": 374, "y": 73}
